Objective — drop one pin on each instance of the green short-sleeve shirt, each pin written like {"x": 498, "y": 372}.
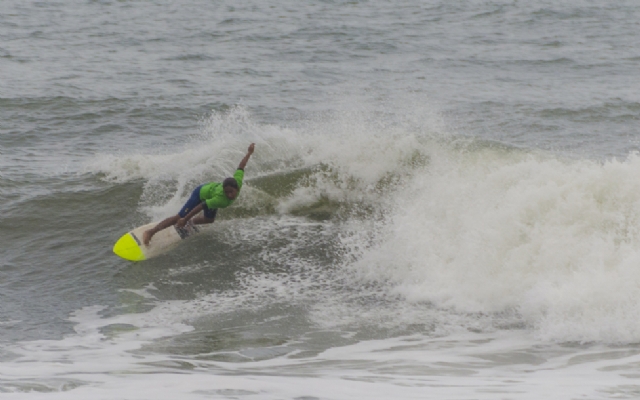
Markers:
{"x": 213, "y": 194}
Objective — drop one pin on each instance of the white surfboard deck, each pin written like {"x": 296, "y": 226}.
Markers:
{"x": 130, "y": 246}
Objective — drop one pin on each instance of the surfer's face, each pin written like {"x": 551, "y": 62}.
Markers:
{"x": 230, "y": 192}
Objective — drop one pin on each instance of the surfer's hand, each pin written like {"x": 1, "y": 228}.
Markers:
{"x": 181, "y": 223}
{"x": 251, "y": 148}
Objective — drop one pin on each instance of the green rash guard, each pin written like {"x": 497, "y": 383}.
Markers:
{"x": 212, "y": 194}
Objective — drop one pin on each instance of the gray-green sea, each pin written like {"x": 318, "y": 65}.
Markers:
{"x": 444, "y": 200}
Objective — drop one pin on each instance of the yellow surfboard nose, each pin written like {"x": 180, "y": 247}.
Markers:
{"x": 128, "y": 248}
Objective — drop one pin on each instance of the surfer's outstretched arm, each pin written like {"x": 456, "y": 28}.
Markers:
{"x": 244, "y": 161}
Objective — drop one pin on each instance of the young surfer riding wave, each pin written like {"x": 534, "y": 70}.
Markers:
{"x": 208, "y": 198}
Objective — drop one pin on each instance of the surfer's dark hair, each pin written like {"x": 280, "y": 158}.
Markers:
{"x": 230, "y": 182}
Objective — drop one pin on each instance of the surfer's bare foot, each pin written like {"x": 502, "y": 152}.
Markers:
{"x": 146, "y": 237}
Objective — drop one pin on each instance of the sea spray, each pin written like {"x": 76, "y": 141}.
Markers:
{"x": 555, "y": 241}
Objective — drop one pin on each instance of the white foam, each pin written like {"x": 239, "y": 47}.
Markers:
{"x": 489, "y": 231}
{"x": 482, "y": 366}
{"x": 359, "y": 151}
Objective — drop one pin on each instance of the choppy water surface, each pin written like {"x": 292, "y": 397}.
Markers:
{"x": 443, "y": 203}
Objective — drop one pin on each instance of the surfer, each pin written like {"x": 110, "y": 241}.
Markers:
{"x": 208, "y": 198}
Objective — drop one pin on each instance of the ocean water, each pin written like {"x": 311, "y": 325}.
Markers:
{"x": 444, "y": 200}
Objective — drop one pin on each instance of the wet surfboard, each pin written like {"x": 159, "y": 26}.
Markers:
{"x": 130, "y": 246}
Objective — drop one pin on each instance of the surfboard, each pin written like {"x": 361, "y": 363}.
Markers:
{"x": 130, "y": 246}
